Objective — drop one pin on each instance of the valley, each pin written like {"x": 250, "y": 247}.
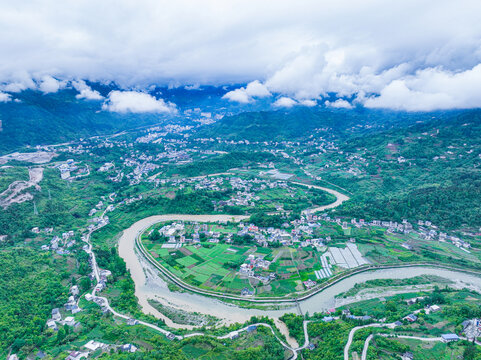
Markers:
{"x": 190, "y": 242}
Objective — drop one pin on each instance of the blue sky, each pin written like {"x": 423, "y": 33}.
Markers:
{"x": 406, "y": 55}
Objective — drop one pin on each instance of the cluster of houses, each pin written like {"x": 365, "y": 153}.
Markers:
{"x": 210, "y": 183}
{"x": 425, "y": 229}
{"x": 59, "y": 244}
{"x": 472, "y": 329}
{"x": 172, "y": 230}
{"x": 245, "y": 189}
{"x": 131, "y": 200}
{"x": 66, "y": 168}
{"x": 141, "y": 168}
{"x": 103, "y": 278}
{"x": 258, "y": 263}
{"x": 99, "y": 206}
{"x": 70, "y": 306}
{"x": 174, "y": 156}
{"x": 93, "y": 346}
{"x": 106, "y": 167}
{"x": 97, "y": 222}
{"x": 265, "y": 236}
{"x": 154, "y": 134}
{"x": 176, "y": 235}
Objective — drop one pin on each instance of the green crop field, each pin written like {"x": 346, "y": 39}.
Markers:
{"x": 216, "y": 267}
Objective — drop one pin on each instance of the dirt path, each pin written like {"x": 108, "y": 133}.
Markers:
{"x": 284, "y": 331}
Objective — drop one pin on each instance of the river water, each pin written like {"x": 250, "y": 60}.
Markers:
{"x": 148, "y": 284}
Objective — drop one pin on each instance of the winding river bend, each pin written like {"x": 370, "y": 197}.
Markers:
{"x": 150, "y": 286}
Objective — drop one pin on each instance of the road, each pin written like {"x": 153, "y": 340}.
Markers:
{"x": 369, "y": 338}
{"x": 15, "y": 193}
{"x": 351, "y": 336}
{"x": 103, "y": 301}
{"x": 366, "y": 346}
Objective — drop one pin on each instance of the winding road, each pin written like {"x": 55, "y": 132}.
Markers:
{"x": 390, "y": 325}
{"x": 145, "y": 223}
{"x": 103, "y": 301}
{"x": 126, "y": 251}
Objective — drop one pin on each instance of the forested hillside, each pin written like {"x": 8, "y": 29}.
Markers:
{"x": 425, "y": 171}
{"x": 301, "y": 123}
{"x": 30, "y": 286}
{"x": 39, "y": 119}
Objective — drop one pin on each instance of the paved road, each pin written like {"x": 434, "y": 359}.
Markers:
{"x": 366, "y": 346}
{"x": 351, "y": 337}
{"x": 103, "y": 301}
{"x": 369, "y": 338}
{"x": 306, "y": 335}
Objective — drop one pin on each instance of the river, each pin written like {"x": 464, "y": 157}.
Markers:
{"x": 148, "y": 284}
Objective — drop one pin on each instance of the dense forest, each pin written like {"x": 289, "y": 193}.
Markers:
{"x": 439, "y": 178}
{"x": 299, "y": 123}
{"x": 30, "y": 287}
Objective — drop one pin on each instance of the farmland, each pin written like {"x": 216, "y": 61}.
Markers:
{"x": 216, "y": 266}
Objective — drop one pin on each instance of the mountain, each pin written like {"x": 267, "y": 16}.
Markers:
{"x": 301, "y": 122}
{"x": 426, "y": 171}
{"x": 54, "y": 118}
{"x": 35, "y": 118}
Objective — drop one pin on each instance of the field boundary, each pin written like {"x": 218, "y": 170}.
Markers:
{"x": 301, "y": 295}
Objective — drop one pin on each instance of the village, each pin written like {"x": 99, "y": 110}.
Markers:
{"x": 304, "y": 250}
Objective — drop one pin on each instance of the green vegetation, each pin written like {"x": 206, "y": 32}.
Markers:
{"x": 184, "y": 317}
{"x": 438, "y": 179}
{"x": 31, "y": 286}
{"x": 300, "y": 122}
{"x": 294, "y": 324}
{"x": 216, "y": 266}
{"x": 222, "y": 163}
{"x": 394, "y": 166}
{"x": 417, "y": 280}
{"x": 60, "y": 117}
{"x": 329, "y": 339}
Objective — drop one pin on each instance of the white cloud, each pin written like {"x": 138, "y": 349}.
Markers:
{"x": 136, "y": 102}
{"x": 301, "y": 52}
{"x": 50, "y": 85}
{"x": 4, "y": 97}
{"x": 85, "y": 91}
{"x": 89, "y": 94}
{"x": 285, "y": 102}
{"x": 256, "y": 89}
{"x": 193, "y": 87}
{"x": 308, "y": 102}
{"x": 431, "y": 89}
{"x": 237, "y": 95}
{"x": 339, "y": 104}
{"x": 17, "y": 82}
{"x": 244, "y": 95}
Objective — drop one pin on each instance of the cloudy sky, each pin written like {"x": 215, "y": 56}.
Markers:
{"x": 409, "y": 55}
